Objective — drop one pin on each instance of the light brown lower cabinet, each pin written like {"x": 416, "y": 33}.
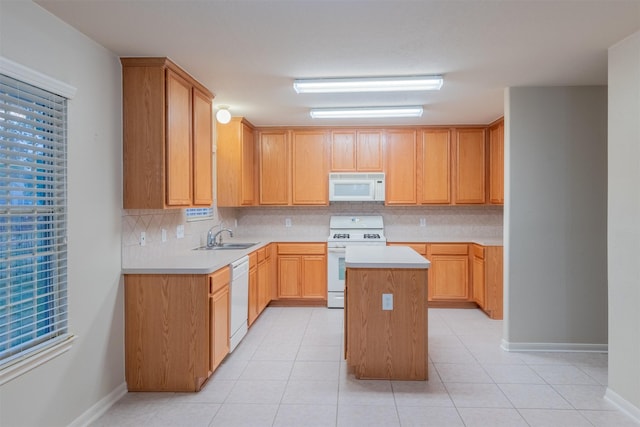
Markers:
{"x": 259, "y": 282}
{"x": 488, "y": 279}
{"x": 302, "y": 271}
{"x": 449, "y": 272}
{"x": 176, "y": 329}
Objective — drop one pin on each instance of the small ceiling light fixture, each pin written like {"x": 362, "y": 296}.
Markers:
{"x": 368, "y": 84}
{"x": 366, "y": 112}
{"x": 223, "y": 115}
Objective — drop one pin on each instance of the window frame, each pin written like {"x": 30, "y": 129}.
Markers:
{"x": 28, "y": 359}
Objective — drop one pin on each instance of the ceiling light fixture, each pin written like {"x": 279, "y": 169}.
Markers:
{"x": 379, "y": 84}
{"x": 367, "y": 112}
{"x": 223, "y": 115}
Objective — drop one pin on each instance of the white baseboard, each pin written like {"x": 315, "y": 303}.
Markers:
{"x": 560, "y": 347}
{"x": 622, "y": 404}
{"x": 100, "y": 407}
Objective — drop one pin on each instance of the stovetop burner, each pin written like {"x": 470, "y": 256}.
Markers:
{"x": 341, "y": 236}
{"x": 371, "y": 236}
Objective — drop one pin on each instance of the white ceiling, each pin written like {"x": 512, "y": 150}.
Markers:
{"x": 249, "y": 52}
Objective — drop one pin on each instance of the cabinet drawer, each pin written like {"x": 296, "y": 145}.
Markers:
{"x": 302, "y": 248}
{"x": 262, "y": 254}
{"x": 421, "y": 248}
{"x": 449, "y": 249}
{"x": 478, "y": 251}
{"x": 218, "y": 279}
{"x": 253, "y": 259}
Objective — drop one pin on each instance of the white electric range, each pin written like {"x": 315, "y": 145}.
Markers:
{"x": 348, "y": 231}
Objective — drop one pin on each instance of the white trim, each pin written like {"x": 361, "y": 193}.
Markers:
{"x": 35, "y": 78}
{"x": 36, "y": 359}
{"x": 100, "y": 407}
{"x": 622, "y": 404}
{"x": 552, "y": 346}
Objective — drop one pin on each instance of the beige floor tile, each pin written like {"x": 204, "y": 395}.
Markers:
{"x": 419, "y": 416}
{"x": 491, "y": 417}
{"x": 367, "y": 416}
{"x": 554, "y": 418}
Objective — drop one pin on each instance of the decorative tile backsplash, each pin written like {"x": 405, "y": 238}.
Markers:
{"x": 307, "y": 223}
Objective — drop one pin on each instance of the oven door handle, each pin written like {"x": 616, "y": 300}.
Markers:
{"x": 336, "y": 250}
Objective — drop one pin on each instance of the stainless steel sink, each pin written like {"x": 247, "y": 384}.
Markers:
{"x": 226, "y": 246}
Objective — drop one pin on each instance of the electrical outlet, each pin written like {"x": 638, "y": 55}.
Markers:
{"x": 143, "y": 238}
{"x": 287, "y": 222}
{"x": 387, "y": 301}
{"x": 180, "y": 231}
{"x": 423, "y": 222}
{"x": 164, "y": 235}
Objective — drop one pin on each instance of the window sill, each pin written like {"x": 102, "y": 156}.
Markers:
{"x": 38, "y": 357}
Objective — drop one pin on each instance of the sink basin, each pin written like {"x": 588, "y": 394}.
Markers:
{"x": 226, "y": 246}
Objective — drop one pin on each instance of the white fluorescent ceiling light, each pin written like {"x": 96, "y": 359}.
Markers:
{"x": 380, "y": 84}
{"x": 368, "y": 112}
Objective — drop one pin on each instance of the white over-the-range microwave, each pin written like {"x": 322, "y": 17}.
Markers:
{"x": 356, "y": 187}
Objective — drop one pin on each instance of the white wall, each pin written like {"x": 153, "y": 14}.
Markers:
{"x": 556, "y": 217}
{"x": 60, "y": 391}
{"x": 624, "y": 221}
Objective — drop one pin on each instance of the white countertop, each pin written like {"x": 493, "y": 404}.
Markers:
{"x": 384, "y": 257}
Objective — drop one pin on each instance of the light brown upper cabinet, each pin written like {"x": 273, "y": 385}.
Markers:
{"x": 236, "y": 163}
{"x": 435, "y": 168}
{"x": 309, "y": 167}
{"x": 167, "y": 136}
{"x": 400, "y": 167}
{"x": 274, "y": 170}
{"x": 496, "y": 163}
{"x": 470, "y": 166}
{"x": 356, "y": 151}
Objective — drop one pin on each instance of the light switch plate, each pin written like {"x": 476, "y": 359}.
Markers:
{"x": 287, "y": 222}
{"x": 387, "y": 301}
{"x": 143, "y": 238}
{"x": 180, "y": 231}
{"x": 164, "y": 235}
{"x": 423, "y": 222}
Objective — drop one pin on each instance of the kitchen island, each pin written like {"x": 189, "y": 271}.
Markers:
{"x": 386, "y": 313}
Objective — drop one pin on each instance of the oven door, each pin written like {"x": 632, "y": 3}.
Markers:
{"x": 335, "y": 277}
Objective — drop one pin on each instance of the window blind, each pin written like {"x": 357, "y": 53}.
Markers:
{"x": 33, "y": 218}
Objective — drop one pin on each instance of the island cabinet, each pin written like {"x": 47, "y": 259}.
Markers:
{"x": 470, "y": 168}
{"x": 176, "y": 329}
{"x": 496, "y": 163}
{"x": 386, "y": 313}
{"x": 302, "y": 272}
{"x": 487, "y": 279}
{"x": 356, "y": 150}
{"x": 259, "y": 282}
{"x": 401, "y": 167}
{"x": 236, "y": 166}
{"x": 167, "y": 136}
{"x": 449, "y": 274}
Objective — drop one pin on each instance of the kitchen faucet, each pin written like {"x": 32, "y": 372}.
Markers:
{"x": 216, "y": 239}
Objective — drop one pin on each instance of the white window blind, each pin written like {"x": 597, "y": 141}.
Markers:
{"x": 33, "y": 219}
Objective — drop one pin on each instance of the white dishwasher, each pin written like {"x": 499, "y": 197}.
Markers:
{"x": 239, "y": 300}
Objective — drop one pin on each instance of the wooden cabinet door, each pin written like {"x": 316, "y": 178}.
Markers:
{"x": 470, "y": 166}
{"x": 449, "y": 277}
{"x": 496, "y": 164}
{"x": 314, "y": 276}
{"x": 247, "y": 174}
{"x": 202, "y": 149}
{"x": 343, "y": 151}
{"x": 310, "y": 173}
{"x": 289, "y": 273}
{"x": 477, "y": 276}
{"x": 219, "y": 318}
{"x": 253, "y": 295}
{"x": 400, "y": 165}
{"x": 178, "y": 144}
{"x": 274, "y": 168}
{"x": 436, "y": 167}
{"x": 264, "y": 290}
{"x": 369, "y": 151}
